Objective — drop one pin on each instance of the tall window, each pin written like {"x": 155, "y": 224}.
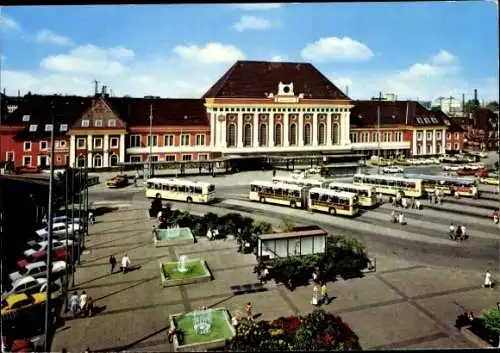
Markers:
{"x": 200, "y": 140}
{"x": 263, "y": 135}
{"x": 80, "y": 161}
{"x": 231, "y": 135}
{"x": 335, "y": 134}
{"x": 353, "y": 136}
{"x": 321, "y": 134}
{"x": 135, "y": 141}
{"x": 169, "y": 140}
{"x": 155, "y": 140}
{"x": 293, "y": 135}
{"x": 247, "y": 138}
{"x": 278, "y": 135}
{"x": 185, "y": 140}
{"x": 429, "y": 149}
{"x": 399, "y": 136}
{"x": 97, "y": 161}
{"x": 113, "y": 160}
{"x": 376, "y": 137}
{"x": 307, "y": 134}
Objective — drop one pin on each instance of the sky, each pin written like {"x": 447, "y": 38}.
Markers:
{"x": 414, "y": 50}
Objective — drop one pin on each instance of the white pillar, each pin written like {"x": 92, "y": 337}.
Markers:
{"x": 414, "y": 142}
{"x": 286, "y": 137}
{"x": 90, "y": 147}
{"x": 213, "y": 118}
{"x": 443, "y": 141}
{"x": 105, "y": 162}
{"x": 239, "y": 137}
{"x": 223, "y": 132}
{"x": 301, "y": 129}
{"x": 434, "y": 141}
{"x": 255, "y": 130}
{"x": 315, "y": 129}
{"x": 344, "y": 128}
{"x": 271, "y": 131}
{"x": 72, "y": 150}
{"x": 424, "y": 142}
{"x": 122, "y": 148}
{"x": 328, "y": 130}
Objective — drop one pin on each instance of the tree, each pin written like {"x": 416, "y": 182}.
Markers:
{"x": 491, "y": 320}
{"x": 493, "y": 105}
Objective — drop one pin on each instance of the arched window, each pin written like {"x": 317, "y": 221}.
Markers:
{"x": 321, "y": 134}
{"x": 429, "y": 149}
{"x": 113, "y": 160}
{"x": 247, "y": 135}
{"x": 307, "y": 134}
{"x": 80, "y": 161}
{"x": 97, "y": 161}
{"x": 293, "y": 135}
{"x": 231, "y": 135}
{"x": 263, "y": 135}
{"x": 335, "y": 134}
{"x": 277, "y": 135}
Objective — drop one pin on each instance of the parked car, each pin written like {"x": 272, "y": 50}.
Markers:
{"x": 17, "y": 345}
{"x": 392, "y": 169}
{"x": 466, "y": 171}
{"x": 117, "y": 181}
{"x": 27, "y": 170}
{"x": 491, "y": 179}
{"x": 23, "y": 301}
{"x": 57, "y": 255}
{"x": 451, "y": 168}
{"x": 35, "y": 246}
{"x": 58, "y": 229}
{"x": 22, "y": 285}
{"x": 38, "y": 269}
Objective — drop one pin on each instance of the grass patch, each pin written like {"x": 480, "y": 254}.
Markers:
{"x": 221, "y": 328}
{"x": 196, "y": 268}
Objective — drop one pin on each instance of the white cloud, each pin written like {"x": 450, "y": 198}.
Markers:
{"x": 187, "y": 72}
{"x": 210, "y": 53}
{"x": 258, "y": 7}
{"x": 443, "y": 57}
{"x": 425, "y": 81}
{"x": 278, "y": 58}
{"x": 47, "y": 36}
{"x": 7, "y": 23}
{"x": 252, "y": 22}
{"x": 336, "y": 49}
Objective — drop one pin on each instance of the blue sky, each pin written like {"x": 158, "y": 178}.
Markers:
{"x": 414, "y": 50}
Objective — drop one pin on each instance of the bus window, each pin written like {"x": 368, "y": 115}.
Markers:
{"x": 323, "y": 197}
{"x": 173, "y": 188}
{"x": 164, "y": 187}
{"x": 211, "y": 188}
{"x": 157, "y": 186}
{"x": 254, "y": 188}
{"x": 314, "y": 196}
{"x": 295, "y": 193}
{"x": 363, "y": 193}
{"x": 150, "y": 185}
{"x": 198, "y": 190}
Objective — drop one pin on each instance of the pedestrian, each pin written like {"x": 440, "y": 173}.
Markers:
{"x": 417, "y": 204}
{"x": 74, "y": 303}
{"x": 274, "y": 172}
{"x": 451, "y": 232}
{"x": 401, "y": 219}
{"x": 315, "y": 296}
{"x": 488, "y": 283}
{"x": 125, "y": 263}
{"x": 248, "y": 311}
{"x": 463, "y": 231}
{"x": 83, "y": 302}
{"x": 324, "y": 294}
{"x": 404, "y": 204}
{"x": 90, "y": 305}
{"x": 112, "y": 263}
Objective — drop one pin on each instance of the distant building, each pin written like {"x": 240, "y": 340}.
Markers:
{"x": 449, "y": 105}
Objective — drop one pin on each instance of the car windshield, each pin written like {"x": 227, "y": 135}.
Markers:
{"x": 23, "y": 271}
{"x": 36, "y": 247}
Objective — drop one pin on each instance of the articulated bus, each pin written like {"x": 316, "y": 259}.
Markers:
{"x": 180, "y": 190}
{"x": 391, "y": 185}
{"x": 366, "y": 194}
{"x": 278, "y": 193}
{"x": 301, "y": 182}
{"x": 448, "y": 185}
{"x": 333, "y": 202}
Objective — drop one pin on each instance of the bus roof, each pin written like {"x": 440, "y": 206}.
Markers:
{"x": 386, "y": 177}
{"x": 333, "y": 192}
{"x": 440, "y": 177}
{"x": 177, "y": 182}
{"x": 352, "y": 186}
{"x": 273, "y": 185}
{"x": 298, "y": 180}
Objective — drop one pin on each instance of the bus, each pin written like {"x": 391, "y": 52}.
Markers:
{"x": 448, "y": 185}
{"x": 180, "y": 190}
{"x": 391, "y": 185}
{"x": 366, "y": 194}
{"x": 301, "y": 182}
{"x": 277, "y": 193}
{"x": 333, "y": 202}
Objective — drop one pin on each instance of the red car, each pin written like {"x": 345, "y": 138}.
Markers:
{"x": 57, "y": 255}
{"x": 472, "y": 172}
{"x": 27, "y": 170}
{"x": 16, "y": 345}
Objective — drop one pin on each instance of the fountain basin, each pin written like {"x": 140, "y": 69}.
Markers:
{"x": 197, "y": 271}
{"x": 172, "y": 236}
{"x": 221, "y": 332}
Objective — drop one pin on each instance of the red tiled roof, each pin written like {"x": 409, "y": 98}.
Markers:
{"x": 451, "y": 122}
{"x": 255, "y": 79}
{"x": 364, "y": 114}
{"x": 166, "y": 111}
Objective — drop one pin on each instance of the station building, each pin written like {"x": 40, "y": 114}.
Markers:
{"x": 256, "y": 109}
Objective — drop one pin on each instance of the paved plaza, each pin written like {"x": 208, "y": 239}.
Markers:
{"x": 417, "y": 304}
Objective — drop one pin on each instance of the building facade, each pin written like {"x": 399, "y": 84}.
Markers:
{"x": 255, "y": 109}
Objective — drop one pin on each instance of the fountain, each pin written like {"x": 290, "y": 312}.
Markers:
{"x": 181, "y": 264}
{"x": 173, "y": 235}
{"x": 202, "y": 321}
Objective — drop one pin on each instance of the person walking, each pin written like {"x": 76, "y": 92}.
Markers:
{"x": 83, "y": 302}
{"x": 463, "y": 231}
{"x": 451, "y": 231}
{"x": 248, "y": 311}
{"x": 74, "y": 302}
{"x": 315, "y": 297}
{"x": 125, "y": 263}
{"x": 488, "y": 283}
{"x": 324, "y": 294}
{"x": 112, "y": 263}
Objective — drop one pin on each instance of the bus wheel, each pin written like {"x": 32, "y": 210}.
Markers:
{"x": 292, "y": 204}
{"x": 189, "y": 200}
{"x": 332, "y": 211}
{"x": 262, "y": 200}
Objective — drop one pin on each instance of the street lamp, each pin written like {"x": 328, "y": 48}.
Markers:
{"x": 150, "y": 139}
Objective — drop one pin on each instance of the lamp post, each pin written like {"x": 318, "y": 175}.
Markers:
{"x": 48, "y": 302}
{"x": 150, "y": 140}
{"x": 378, "y": 131}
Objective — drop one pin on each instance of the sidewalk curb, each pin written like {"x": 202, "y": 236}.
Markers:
{"x": 472, "y": 338}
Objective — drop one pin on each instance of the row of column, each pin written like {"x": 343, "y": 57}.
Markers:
{"x": 434, "y": 141}
{"x": 90, "y": 150}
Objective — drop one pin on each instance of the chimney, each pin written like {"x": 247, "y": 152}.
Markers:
{"x": 476, "y": 101}
{"x": 463, "y": 103}
{"x": 19, "y": 93}
{"x": 104, "y": 90}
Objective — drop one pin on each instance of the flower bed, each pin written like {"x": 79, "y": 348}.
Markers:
{"x": 315, "y": 331}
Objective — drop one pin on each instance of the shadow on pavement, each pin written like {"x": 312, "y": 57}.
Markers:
{"x": 137, "y": 342}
